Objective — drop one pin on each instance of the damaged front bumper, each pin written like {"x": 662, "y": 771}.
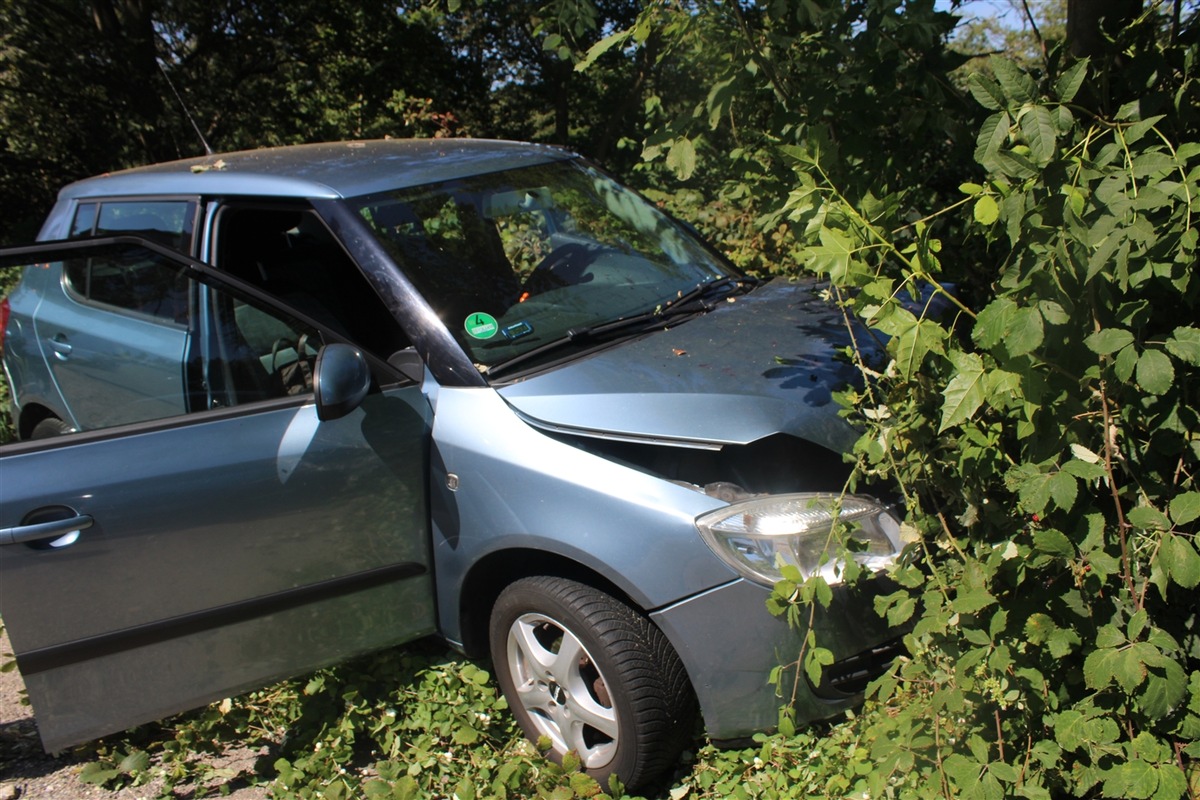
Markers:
{"x": 729, "y": 644}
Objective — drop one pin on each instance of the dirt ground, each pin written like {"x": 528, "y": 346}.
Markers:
{"x": 28, "y": 773}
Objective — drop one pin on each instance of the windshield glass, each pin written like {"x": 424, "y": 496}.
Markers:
{"x": 512, "y": 261}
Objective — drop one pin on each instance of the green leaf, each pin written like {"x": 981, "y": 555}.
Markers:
{"x": 719, "y": 97}
{"x": 601, "y": 47}
{"x": 1130, "y": 111}
{"x": 1184, "y": 344}
{"x": 1125, "y": 363}
{"x": 910, "y": 348}
{"x": 465, "y": 734}
{"x": 1148, "y": 518}
{"x": 1084, "y": 470}
{"x": 1053, "y": 312}
{"x": 1015, "y": 82}
{"x": 1025, "y": 332}
{"x": 1155, "y": 373}
{"x": 137, "y": 761}
{"x": 1053, "y": 543}
{"x": 965, "y": 392}
{"x": 1005, "y": 772}
{"x": 993, "y": 321}
{"x": 1039, "y": 627}
{"x": 97, "y": 774}
{"x": 1038, "y": 132}
{"x": 1064, "y": 488}
{"x": 1148, "y": 164}
{"x": 833, "y": 256}
{"x": 986, "y": 91}
{"x": 681, "y": 158}
{"x": 1110, "y": 636}
{"x": 1172, "y": 783}
{"x": 1108, "y": 340}
{"x": 817, "y": 659}
{"x": 1185, "y": 508}
{"x": 1179, "y": 558}
{"x": 1070, "y": 730}
{"x": 1132, "y": 779}
{"x": 1067, "y": 85}
{"x": 1139, "y": 129}
{"x": 1099, "y": 668}
{"x": 987, "y": 210}
{"x": 1165, "y": 689}
{"x": 992, "y": 136}
{"x": 969, "y": 601}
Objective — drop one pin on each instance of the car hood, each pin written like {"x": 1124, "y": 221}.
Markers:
{"x": 759, "y": 364}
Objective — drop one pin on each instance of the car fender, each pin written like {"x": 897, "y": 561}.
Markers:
{"x": 499, "y": 484}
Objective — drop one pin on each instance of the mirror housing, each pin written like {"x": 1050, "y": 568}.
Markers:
{"x": 341, "y": 380}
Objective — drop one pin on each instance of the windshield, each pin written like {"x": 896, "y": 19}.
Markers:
{"x": 514, "y": 261}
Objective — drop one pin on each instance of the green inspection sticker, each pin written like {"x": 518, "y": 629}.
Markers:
{"x": 481, "y": 326}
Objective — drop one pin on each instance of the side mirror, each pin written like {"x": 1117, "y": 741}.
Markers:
{"x": 341, "y": 380}
{"x": 409, "y": 363}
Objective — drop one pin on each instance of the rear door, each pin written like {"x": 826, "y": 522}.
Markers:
{"x": 153, "y": 563}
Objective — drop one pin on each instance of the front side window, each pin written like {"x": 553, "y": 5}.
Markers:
{"x": 517, "y": 260}
{"x": 290, "y": 254}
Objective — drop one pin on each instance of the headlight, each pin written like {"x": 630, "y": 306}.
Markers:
{"x": 751, "y": 535}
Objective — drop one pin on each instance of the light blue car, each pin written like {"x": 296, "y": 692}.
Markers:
{"x": 282, "y": 407}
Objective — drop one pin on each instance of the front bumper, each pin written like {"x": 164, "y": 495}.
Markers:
{"x": 729, "y": 644}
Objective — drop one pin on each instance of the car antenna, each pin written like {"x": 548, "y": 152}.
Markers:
{"x": 208, "y": 151}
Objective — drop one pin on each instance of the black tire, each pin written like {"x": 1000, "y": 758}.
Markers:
{"x": 623, "y": 703}
{"x": 50, "y": 426}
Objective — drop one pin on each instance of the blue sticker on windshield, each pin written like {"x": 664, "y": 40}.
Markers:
{"x": 517, "y": 330}
{"x": 481, "y": 326}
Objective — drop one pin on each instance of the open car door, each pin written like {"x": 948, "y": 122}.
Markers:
{"x": 211, "y": 534}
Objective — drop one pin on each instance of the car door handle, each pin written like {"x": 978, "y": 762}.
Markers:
{"x": 44, "y": 530}
{"x": 60, "y": 346}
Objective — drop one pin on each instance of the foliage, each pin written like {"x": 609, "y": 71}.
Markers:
{"x": 1029, "y": 350}
{"x": 90, "y": 86}
{"x": 741, "y": 82}
{"x": 1044, "y": 436}
{"x": 405, "y": 723}
{"x": 1021, "y": 34}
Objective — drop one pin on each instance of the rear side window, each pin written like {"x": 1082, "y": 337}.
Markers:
{"x": 123, "y": 286}
{"x": 131, "y": 284}
{"x": 177, "y": 345}
{"x": 167, "y": 222}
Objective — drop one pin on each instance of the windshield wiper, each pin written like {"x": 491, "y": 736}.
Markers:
{"x": 706, "y": 292}
{"x": 684, "y": 303}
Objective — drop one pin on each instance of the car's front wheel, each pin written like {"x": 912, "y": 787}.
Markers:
{"x": 593, "y": 676}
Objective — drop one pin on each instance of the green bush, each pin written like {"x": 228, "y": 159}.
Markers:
{"x": 1043, "y": 429}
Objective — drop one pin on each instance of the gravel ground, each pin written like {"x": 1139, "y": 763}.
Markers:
{"x": 28, "y": 773}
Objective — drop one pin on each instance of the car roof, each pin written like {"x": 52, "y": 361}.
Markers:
{"x": 331, "y": 170}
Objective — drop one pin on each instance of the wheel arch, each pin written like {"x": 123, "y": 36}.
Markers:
{"x": 31, "y": 414}
{"x": 488, "y": 577}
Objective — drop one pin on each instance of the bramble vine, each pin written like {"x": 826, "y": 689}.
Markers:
{"x": 1043, "y": 429}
